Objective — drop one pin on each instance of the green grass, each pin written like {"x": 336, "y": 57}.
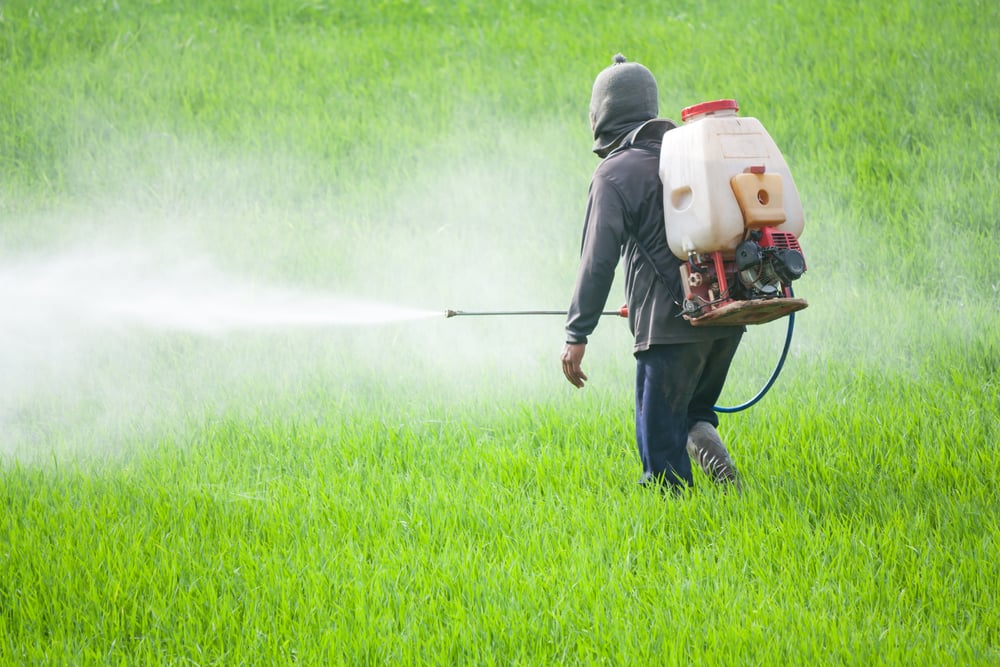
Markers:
{"x": 434, "y": 492}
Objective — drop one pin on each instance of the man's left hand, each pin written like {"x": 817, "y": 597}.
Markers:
{"x": 572, "y": 356}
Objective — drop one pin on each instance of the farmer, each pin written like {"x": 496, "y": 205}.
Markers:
{"x": 680, "y": 369}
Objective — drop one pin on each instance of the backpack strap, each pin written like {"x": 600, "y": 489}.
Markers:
{"x": 656, "y": 269}
{"x": 651, "y": 129}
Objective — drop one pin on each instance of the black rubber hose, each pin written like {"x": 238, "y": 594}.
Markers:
{"x": 774, "y": 375}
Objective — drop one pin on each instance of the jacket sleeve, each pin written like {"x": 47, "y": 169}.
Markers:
{"x": 603, "y": 238}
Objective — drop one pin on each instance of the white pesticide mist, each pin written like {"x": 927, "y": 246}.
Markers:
{"x": 95, "y": 290}
{"x": 90, "y": 337}
{"x": 198, "y": 288}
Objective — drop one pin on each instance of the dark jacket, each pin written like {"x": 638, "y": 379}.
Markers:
{"x": 625, "y": 203}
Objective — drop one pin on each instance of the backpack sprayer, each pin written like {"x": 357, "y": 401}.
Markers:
{"x": 733, "y": 216}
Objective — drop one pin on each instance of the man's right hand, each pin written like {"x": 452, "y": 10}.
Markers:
{"x": 572, "y": 356}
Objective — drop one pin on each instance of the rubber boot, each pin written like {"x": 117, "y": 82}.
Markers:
{"x": 705, "y": 447}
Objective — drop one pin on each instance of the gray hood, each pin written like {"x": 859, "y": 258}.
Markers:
{"x": 623, "y": 96}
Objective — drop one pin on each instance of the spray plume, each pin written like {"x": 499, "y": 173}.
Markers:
{"x": 111, "y": 290}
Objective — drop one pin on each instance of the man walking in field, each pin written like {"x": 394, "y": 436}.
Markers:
{"x": 680, "y": 369}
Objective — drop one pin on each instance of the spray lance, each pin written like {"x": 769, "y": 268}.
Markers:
{"x": 623, "y": 312}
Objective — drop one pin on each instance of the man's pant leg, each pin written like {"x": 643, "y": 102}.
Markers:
{"x": 711, "y": 379}
{"x": 663, "y": 390}
{"x": 676, "y": 385}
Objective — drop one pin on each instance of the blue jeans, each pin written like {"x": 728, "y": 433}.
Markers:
{"x": 676, "y": 386}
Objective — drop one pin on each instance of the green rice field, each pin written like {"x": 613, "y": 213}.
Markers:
{"x": 236, "y": 427}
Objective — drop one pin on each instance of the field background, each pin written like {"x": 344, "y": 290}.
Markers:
{"x": 432, "y": 491}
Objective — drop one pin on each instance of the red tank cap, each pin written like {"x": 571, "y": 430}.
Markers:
{"x": 708, "y": 107}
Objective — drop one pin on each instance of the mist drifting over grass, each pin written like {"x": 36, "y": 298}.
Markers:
{"x": 276, "y": 281}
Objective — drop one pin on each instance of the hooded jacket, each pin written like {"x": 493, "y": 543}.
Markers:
{"x": 625, "y": 205}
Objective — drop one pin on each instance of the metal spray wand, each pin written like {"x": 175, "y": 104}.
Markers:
{"x": 621, "y": 312}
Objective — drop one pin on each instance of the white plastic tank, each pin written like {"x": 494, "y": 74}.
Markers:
{"x": 697, "y": 164}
